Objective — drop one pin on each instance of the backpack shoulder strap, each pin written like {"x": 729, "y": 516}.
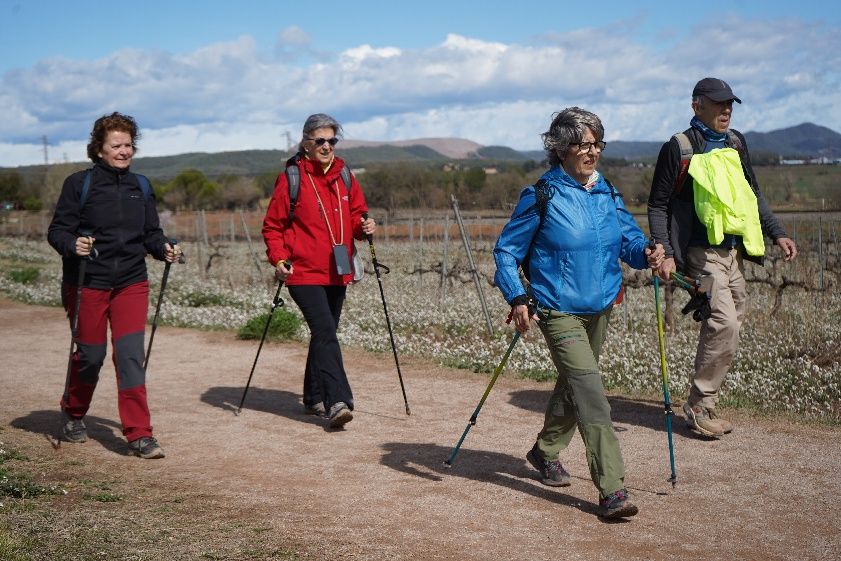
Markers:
{"x": 542, "y": 194}
{"x": 735, "y": 142}
{"x": 345, "y": 173}
{"x": 145, "y": 186}
{"x": 293, "y": 180}
{"x": 686, "y": 153}
{"x": 614, "y": 192}
{"x": 86, "y": 186}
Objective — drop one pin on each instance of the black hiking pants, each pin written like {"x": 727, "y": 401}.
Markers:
{"x": 325, "y": 379}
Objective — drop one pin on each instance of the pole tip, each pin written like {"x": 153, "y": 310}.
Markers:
{"x": 447, "y": 464}
{"x": 407, "y": 411}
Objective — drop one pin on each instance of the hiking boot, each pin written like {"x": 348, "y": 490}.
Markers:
{"x": 340, "y": 415}
{"x": 552, "y": 473}
{"x": 73, "y": 430}
{"x": 726, "y": 425}
{"x": 316, "y": 409}
{"x": 617, "y": 505}
{"x": 698, "y": 420}
{"x": 145, "y": 447}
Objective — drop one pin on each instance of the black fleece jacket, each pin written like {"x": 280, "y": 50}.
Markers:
{"x": 123, "y": 222}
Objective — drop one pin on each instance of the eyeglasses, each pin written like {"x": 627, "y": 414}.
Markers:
{"x": 584, "y": 147}
{"x": 320, "y": 141}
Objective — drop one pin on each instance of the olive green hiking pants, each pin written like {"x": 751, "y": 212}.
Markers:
{"x": 578, "y": 399}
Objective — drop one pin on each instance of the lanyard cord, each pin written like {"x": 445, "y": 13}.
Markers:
{"x": 324, "y": 212}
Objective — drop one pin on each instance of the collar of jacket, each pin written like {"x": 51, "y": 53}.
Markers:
{"x": 111, "y": 171}
{"x": 314, "y": 168}
{"x": 560, "y": 178}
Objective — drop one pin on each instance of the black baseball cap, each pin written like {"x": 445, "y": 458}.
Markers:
{"x": 715, "y": 89}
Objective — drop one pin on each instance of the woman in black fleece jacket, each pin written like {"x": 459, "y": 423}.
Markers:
{"x": 112, "y": 223}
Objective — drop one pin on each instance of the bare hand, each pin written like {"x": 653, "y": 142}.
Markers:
{"x": 666, "y": 268}
{"x": 520, "y": 316}
{"x": 655, "y": 258}
{"x": 789, "y": 248}
{"x": 172, "y": 253}
{"x": 84, "y": 245}
{"x": 283, "y": 270}
{"x": 368, "y": 226}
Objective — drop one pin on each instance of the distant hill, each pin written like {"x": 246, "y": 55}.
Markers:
{"x": 453, "y": 148}
{"x": 802, "y": 141}
{"x": 807, "y": 139}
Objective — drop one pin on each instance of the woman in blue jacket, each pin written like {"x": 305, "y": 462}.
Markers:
{"x": 568, "y": 233}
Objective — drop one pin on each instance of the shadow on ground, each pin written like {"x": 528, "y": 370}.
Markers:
{"x": 275, "y": 402}
{"x": 48, "y": 422}
{"x": 426, "y": 461}
{"x": 646, "y": 413}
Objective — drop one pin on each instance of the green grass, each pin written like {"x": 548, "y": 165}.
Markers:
{"x": 27, "y": 275}
{"x": 284, "y": 326}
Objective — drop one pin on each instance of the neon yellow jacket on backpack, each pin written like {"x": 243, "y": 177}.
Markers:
{"x": 724, "y": 201}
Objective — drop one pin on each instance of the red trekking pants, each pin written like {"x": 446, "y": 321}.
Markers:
{"x": 125, "y": 309}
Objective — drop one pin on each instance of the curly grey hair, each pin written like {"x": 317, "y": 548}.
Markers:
{"x": 317, "y": 121}
{"x": 568, "y": 128}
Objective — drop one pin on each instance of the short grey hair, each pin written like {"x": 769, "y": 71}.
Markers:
{"x": 318, "y": 121}
{"x": 567, "y": 128}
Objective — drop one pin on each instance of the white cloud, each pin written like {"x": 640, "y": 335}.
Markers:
{"x": 230, "y": 96}
{"x": 294, "y": 36}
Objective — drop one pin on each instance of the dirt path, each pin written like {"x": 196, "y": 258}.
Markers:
{"x": 378, "y": 490}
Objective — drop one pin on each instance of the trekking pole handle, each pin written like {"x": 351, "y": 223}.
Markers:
{"x": 182, "y": 259}
{"x": 94, "y": 253}
{"x": 369, "y": 236}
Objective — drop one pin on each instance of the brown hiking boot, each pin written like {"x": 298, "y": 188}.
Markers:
{"x": 726, "y": 425}
{"x": 698, "y": 420}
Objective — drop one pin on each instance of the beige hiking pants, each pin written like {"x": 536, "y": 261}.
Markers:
{"x": 719, "y": 338}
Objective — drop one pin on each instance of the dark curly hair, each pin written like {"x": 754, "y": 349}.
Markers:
{"x": 107, "y": 123}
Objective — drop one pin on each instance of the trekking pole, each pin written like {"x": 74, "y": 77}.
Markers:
{"x": 74, "y": 321}
{"x": 181, "y": 259}
{"x": 667, "y": 403}
{"x": 449, "y": 461}
{"x": 276, "y": 302}
{"x": 377, "y": 266}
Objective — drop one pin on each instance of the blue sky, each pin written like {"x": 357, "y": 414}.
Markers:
{"x": 213, "y": 76}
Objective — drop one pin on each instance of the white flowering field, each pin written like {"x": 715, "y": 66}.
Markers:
{"x": 789, "y": 360}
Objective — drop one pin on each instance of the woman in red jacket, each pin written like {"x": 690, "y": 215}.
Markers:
{"x": 311, "y": 250}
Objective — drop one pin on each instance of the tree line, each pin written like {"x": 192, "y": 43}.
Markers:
{"x": 478, "y": 184}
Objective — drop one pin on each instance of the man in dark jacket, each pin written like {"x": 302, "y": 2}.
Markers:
{"x": 692, "y": 246}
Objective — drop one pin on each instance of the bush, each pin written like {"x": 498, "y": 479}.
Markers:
{"x": 24, "y": 276}
{"x": 284, "y": 326}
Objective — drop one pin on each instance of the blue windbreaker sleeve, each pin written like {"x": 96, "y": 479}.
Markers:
{"x": 513, "y": 243}
{"x": 634, "y": 241}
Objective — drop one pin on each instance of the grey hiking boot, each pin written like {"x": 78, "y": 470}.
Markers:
{"x": 726, "y": 425}
{"x": 552, "y": 473}
{"x": 145, "y": 447}
{"x": 617, "y": 505}
{"x": 316, "y": 409}
{"x": 698, "y": 420}
{"x": 73, "y": 430}
{"x": 339, "y": 415}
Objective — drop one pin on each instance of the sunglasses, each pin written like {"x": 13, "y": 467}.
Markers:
{"x": 320, "y": 141}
